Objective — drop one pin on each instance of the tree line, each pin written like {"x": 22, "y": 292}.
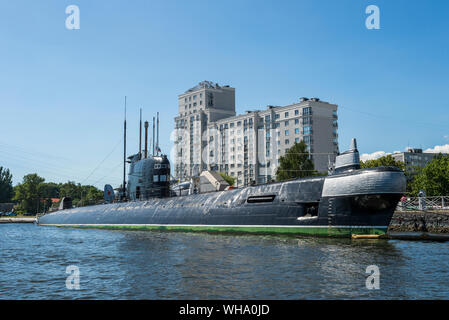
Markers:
{"x": 433, "y": 178}
{"x": 34, "y": 194}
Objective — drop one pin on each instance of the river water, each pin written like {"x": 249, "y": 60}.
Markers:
{"x": 163, "y": 265}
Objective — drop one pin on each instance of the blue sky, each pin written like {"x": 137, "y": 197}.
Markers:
{"x": 62, "y": 91}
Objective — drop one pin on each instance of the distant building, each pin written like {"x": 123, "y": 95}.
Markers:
{"x": 209, "y": 136}
{"x": 415, "y": 157}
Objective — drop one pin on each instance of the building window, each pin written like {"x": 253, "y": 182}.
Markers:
{"x": 297, "y": 131}
{"x": 307, "y": 111}
{"x": 307, "y": 130}
{"x": 231, "y": 125}
{"x": 287, "y": 141}
{"x": 287, "y": 132}
{"x": 239, "y": 123}
{"x": 279, "y": 133}
{"x": 308, "y": 140}
{"x": 297, "y": 140}
{"x": 286, "y": 114}
{"x": 286, "y": 123}
{"x": 307, "y": 120}
{"x": 277, "y": 125}
{"x": 279, "y": 142}
{"x": 296, "y": 112}
{"x": 296, "y": 121}
{"x": 277, "y": 116}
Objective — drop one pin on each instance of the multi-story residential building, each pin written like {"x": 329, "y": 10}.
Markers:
{"x": 198, "y": 106}
{"x": 249, "y": 146}
{"x": 414, "y": 158}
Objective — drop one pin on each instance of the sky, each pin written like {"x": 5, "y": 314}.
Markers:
{"x": 62, "y": 91}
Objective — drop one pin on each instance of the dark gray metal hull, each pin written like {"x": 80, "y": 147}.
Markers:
{"x": 361, "y": 202}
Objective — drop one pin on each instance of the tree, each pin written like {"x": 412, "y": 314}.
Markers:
{"x": 227, "y": 178}
{"x": 70, "y": 189}
{"x": 387, "y": 161}
{"x": 433, "y": 178}
{"x": 296, "y": 163}
{"x": 6, "y": 189}
{"x": 90, "y": 195}
{"x": 30, "y": 193}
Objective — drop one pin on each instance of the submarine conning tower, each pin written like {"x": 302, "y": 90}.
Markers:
{"x": 348, "y": 160}
{"x": 148, "y": 177}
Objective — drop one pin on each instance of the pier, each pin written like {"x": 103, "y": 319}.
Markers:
{"x": 17, "y": 220}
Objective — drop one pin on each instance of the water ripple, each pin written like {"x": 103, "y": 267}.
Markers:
{"x": 158, "y": 265}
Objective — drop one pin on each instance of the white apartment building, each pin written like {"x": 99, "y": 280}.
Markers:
{"x": 205, "y": 103}
{"x": 249, "y": 146}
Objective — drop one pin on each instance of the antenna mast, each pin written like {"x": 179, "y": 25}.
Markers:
{"x": 140, "y": 136}
{"x": 153, "y": 136}
{"x": 124, "y": 155}
{"x": 157, "y": 141}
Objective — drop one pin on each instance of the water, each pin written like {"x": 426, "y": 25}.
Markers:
{"x": 160, "y": 265}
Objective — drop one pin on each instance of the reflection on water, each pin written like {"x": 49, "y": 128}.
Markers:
{"x": 159, "y": 265}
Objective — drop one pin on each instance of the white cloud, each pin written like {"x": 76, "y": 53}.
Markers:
{"x": 438, "y": 149}
{"x": 373, "y": 156}
{"x": 446, "y": 137}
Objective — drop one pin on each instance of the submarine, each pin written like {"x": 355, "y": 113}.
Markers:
{"x": 348, "y": 202}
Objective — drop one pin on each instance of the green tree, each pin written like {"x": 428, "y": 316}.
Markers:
{"x": 70, "y": 189}
{"x": 6, "y": 188}
{"x": 49, "y": 190}
{"x": 387, "y": 161}
{"x": 228, "y": 179}
{"x": 30, "y": 193}
{"x": 90, "y": 195}
{"x": 433, "y": 178}
{"x": 296, "y": 163}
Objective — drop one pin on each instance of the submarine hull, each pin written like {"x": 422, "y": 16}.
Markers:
{"x": 359, "y": 202}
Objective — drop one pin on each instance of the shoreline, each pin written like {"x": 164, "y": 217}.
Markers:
{"x": 435, "y": 222}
